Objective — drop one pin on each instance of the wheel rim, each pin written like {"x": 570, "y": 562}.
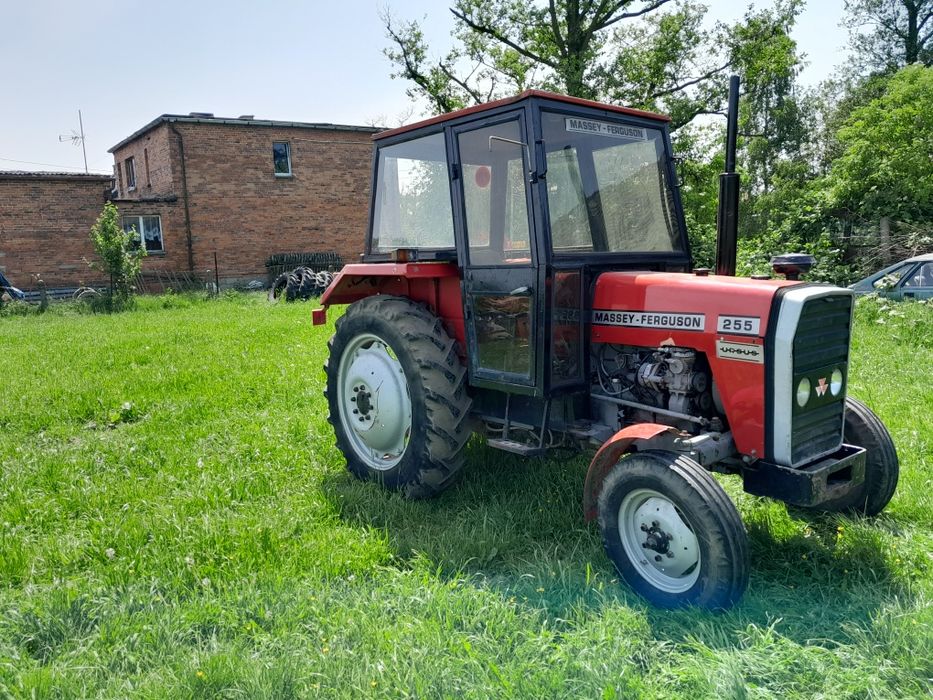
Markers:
{"x": 659, "y": 541}
{"x": 374, "y": 401}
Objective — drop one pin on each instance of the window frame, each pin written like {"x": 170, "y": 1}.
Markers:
{"x": 653, "y": 260}
{"x": 666, "y": 168}
{"x": 374, "y": 252}
{"x": 288, "y": 158}
{"x": 129, "y": 165}
{"x": 459, "y": 187}
{"x": 138, "y": 223}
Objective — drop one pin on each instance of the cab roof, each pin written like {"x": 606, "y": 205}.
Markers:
{"x": 527, "y": 94}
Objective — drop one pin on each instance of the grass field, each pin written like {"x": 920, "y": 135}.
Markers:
{"x": 175, "y": 522}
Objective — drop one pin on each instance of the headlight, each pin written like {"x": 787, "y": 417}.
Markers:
{"x": 803, "y": 392}
{"x": 835, "y": 382}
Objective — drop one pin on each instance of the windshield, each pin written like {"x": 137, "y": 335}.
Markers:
{"x": 608, "y": 188}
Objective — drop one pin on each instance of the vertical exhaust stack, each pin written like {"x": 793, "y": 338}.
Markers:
{"x": 727, "y": 218}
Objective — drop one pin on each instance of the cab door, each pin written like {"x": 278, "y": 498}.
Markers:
{"x": 495, "y": 234}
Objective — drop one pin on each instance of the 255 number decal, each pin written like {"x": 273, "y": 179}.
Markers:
{"x": 739, "y": 325}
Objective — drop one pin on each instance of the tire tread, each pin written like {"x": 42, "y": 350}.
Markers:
{"x": 443, "y": 377}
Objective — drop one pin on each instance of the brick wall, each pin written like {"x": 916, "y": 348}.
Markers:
{"x": 45, "y": 224}
{"x": 152, "y": 154}
{"x": 238, "y": 207}
{"x": 169, "y": 268}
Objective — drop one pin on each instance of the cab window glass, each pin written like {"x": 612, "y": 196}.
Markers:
{"x": 412, "y": 202}
{"x": 494, "y": 195}
{"x": 608, "y": 187}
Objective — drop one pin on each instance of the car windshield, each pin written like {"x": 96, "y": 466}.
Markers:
{"x": 608, "y": 187}
{"x": 890, "y": 278}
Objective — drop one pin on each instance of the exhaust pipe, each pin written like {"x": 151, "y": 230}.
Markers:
{"x": 727, "y": 217}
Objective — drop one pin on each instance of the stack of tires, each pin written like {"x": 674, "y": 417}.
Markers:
{"x": 300, "y": 283}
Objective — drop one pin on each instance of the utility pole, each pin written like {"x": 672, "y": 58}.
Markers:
{"x": 76, "y": 138}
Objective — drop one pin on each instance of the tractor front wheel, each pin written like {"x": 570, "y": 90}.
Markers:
{"x": 397, "y": 395}
{"x": 672, "y": 532}
{"x": 864, "y": 429}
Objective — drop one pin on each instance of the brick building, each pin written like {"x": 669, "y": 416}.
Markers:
{"x": 45, "y": 221}
{"x": 244, "y": 189}
{"x": 195, "y": 186}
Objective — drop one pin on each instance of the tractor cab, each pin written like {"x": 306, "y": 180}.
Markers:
{"x": 529, "y": 197}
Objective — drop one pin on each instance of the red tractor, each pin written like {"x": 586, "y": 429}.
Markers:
{"x": 527, "y": 276}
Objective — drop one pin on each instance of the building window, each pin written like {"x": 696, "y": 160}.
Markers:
{"x": 130, "y": 166}
{"x": 148, "y": 229}
{"x": 282, "y": 158}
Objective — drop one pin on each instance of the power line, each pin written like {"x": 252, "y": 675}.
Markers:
{"x": 48, "y": 165}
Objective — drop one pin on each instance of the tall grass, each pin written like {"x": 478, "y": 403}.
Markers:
{"x": 176, "y": 522}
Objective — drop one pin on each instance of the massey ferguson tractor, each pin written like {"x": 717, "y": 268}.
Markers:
{"x": 527, "y": 277}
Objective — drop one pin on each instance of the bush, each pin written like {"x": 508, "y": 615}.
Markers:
{"x": 120, "y": 254}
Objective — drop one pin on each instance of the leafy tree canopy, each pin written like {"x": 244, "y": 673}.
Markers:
{"x": 885, "y": 167}
{"x": 653, "y": 54}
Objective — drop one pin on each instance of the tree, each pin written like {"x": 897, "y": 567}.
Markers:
{"x": 653, "y": 54}
{"x": 899, "y": 33}
{"x": 885, "y": 167}
{"x": 775, "y": 119}
{"x": 884, "y": 173}
{"x": 120, "y": 255}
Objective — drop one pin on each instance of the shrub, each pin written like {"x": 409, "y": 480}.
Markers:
{"x": 120, "y": 254}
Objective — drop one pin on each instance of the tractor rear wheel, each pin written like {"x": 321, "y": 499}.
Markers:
{"x": 397, "y": 395}
{"x": 672, "y": 532}
{"x": 864, "y": 429}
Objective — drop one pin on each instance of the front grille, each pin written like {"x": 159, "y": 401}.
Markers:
{"x": 821, "y": 344}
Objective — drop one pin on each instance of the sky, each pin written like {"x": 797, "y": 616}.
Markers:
{"x": 124, "y": 62}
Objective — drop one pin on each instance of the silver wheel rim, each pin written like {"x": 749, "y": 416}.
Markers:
{"x": 659, "y": 541}
{"x": 374, "y": 401}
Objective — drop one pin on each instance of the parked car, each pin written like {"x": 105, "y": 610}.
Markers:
{"x": 908, "y": 279}
{"x": 8, "y": 291}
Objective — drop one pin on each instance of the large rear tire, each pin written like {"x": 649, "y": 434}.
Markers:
{"x": 864, "y": 429}
{"x": 397, "y": 395}
{"x": 672, "y": 532}
{"x": 277, "y": 290}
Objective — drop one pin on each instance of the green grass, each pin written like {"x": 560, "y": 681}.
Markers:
{"x": 176, "y": 522}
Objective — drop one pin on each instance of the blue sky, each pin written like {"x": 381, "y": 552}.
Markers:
{"x": 123, "y": 62}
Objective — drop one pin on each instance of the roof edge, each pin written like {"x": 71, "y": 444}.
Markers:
{"x": 185, "y": 119}
{"x": 50, "y": 175}
{"x": 518, "y": 98}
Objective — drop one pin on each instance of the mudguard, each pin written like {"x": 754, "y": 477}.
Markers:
{"x": 611, "y": 452}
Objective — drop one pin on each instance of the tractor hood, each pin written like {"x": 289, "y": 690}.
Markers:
{"x": 641, "y": 308}
{"x": 725, "y": 318}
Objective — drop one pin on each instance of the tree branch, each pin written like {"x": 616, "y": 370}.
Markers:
{"x": 628, "y": 15}
{"x": 555, "y": 27}
{"x": 694, "y": 81}
{"x": 489, "y": 31}
{"x": 477, "y": 98}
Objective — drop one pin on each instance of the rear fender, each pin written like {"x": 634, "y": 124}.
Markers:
{"x": 629, "y": 439}
{"x": 434, "y": 284}
{"x": 361, "y": 280}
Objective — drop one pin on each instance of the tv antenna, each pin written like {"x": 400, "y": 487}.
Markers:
{"x": 76, "y": 138}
